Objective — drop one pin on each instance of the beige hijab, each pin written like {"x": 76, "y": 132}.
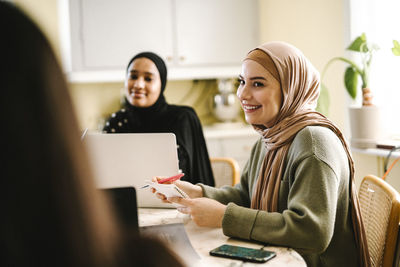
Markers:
{"x": 300, "y": 90}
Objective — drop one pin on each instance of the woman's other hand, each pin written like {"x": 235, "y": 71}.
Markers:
{"x": 204, "y": 211}
{"x": 193, "y": 191}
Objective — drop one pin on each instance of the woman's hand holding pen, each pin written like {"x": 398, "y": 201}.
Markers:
{"x": 203, "y": 211}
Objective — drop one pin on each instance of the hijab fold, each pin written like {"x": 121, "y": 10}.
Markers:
{"x": 145, "y": 117}
{"x": 300, "y": 90}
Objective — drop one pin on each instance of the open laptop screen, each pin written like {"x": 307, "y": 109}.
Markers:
{"x": 121, "y": 160}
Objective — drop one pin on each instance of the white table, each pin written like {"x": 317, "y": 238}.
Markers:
{"x": 203, "y": 239}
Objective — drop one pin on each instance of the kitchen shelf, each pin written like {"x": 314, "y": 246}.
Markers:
{"x": 187, "y": 73}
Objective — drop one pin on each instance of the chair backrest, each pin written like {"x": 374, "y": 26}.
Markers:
{"x": 226, "y": 171}
{"x": 380, "y": 210}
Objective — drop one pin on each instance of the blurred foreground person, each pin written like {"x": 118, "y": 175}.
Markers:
{"x": 51, "y": 212}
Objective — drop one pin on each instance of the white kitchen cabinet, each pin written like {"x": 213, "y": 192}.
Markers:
{"x": 196, "y": 38}
{"x": 108, "y": 33}
{"x": 215, "y": 32}
{"x": 236, "y": 143}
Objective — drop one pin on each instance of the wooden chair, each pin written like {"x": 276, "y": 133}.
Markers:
{"x": 226, "y": 171}
{"x": 380, "y": 210}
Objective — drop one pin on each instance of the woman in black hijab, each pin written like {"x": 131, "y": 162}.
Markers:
{"x": 146, "y": 111}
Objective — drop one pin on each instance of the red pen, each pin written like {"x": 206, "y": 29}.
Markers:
{"x": 171, "y": 179}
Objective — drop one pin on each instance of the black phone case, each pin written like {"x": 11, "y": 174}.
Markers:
{"x": 242, "y": 253}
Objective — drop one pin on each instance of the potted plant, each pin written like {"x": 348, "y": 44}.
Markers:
{"x": 396, "y": 48}
{"x": 364, "y": 119}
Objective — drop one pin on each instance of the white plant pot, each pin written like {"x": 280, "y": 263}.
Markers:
{"x": 365, "y": 125}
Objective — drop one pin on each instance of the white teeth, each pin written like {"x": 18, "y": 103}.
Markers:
{"x": 251, "y": 107}
{"x": 136, "y": 94}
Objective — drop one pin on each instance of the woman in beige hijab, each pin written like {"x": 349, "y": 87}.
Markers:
{"x": 297, "y": 189}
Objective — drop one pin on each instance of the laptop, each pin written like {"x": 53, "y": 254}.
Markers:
{"x": 123, "y": 160}
{"x": 123, "y": 200}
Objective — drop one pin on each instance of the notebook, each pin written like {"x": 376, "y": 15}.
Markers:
{"x": 123, "y": 200}
{"x": 121, "y": 160}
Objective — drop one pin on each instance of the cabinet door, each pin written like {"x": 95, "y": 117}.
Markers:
{"x": 215, "y": 32}
{"x": 106, "y": 34}
{"x": 239, "y": 148}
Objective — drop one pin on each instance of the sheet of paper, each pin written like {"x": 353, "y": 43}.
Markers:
{"x": 168, "y": 190}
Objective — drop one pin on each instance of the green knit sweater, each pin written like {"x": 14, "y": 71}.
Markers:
{"x": 314, "y": 215}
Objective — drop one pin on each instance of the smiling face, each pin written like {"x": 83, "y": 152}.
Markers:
{"x": 143, "y": 83}
{"x": 259, "y": 93}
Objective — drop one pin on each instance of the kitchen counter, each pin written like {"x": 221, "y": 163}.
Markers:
{"x": 233, "y": 140}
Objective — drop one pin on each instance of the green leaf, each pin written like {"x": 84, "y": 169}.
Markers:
{"x": 351, "y": 81}
{"x": 358, "y": 44}
{"x": 323, "y": 101}
{"x": 396, "y": 48}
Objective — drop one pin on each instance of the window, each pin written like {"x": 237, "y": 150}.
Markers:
{"x": 380, "y": 21}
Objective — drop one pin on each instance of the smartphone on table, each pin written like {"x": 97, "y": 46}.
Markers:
{"x": 243, "y": 253}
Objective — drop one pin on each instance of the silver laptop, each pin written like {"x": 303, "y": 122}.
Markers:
{"x": 120, "y": 160}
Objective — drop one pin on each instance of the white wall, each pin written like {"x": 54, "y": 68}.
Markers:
{"x": 318, "y": 28}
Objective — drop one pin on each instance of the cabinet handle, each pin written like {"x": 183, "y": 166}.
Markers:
{"x": 182, "y": 58}
{"x": 169, "y": 58}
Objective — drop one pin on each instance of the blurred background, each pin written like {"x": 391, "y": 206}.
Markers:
{"x": 203, "y": 43}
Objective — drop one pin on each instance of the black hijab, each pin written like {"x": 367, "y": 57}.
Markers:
{"x": 164, "y": 118}
{"x": 145, "y": 117}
